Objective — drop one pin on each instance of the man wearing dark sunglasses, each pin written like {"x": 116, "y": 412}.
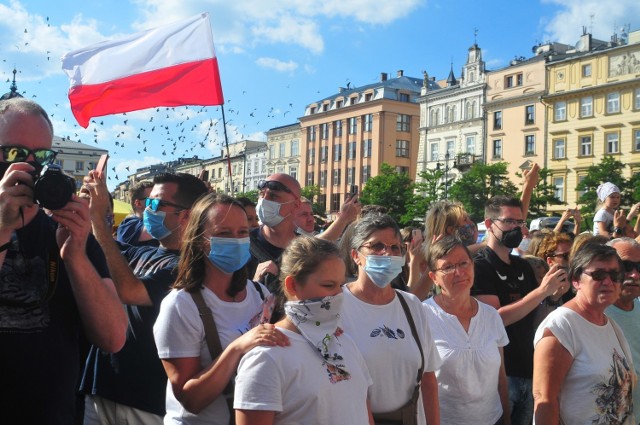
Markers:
{"x": 278, "y": 203}
{"x": 54, "y": 283}
{"x": 133, "y": 381}
{"x": 626, "y": 310}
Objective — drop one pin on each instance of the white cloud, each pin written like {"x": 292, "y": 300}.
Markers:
{"x": 598, "y": 16}
{"x": 276, "y": 64}
{"x": 290, "y": 29}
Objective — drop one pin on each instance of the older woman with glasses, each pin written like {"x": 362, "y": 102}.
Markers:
{"x": 469, "y": 335}
{"x": 390, "y": 327}
{"x": 583, "y": 371}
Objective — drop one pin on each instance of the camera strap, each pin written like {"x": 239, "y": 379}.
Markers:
{"x": 53, "y": 267}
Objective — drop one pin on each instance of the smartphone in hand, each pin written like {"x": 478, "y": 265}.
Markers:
{"x": 102, "y": 165}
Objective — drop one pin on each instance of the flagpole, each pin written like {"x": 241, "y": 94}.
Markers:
{"x": 226, "y": 143}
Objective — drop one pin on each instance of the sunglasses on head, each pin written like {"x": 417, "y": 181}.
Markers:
{"x": 153, "y": 204}
{"x": 273, "y": 185}
{"x": 13, "y": 154}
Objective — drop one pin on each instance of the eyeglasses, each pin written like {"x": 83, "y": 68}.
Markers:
{"x": 630, "y": 266}
{"x": 13, "y": 154}
{"x": 153, "y": 204}
{"x": 450, "y": 268}
{"x": 273, "y": 185}
{"x": 600, "y": 275}
{"x": 564, "y": 255}
{"x": 511, "y": 221}
{"x": 379, "y": 247}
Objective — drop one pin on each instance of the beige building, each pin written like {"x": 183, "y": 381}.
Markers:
{"x": 346, "y": 137}
{"x": 593, "y": 110}
{"x": 283, "y": 155}
{"x": 76, "y": 159}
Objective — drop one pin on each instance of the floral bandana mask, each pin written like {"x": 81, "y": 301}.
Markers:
{"x": 317, "y": 321}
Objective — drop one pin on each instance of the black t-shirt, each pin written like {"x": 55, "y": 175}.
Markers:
{"x": 40, "y": 329}
{"x": 261, "y": 251}
{"x": 135, "y": 376}
{"x": 510, "y": 283}
{"x": 129, "y": 232}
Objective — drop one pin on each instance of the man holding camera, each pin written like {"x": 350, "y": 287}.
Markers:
{"x": 54, "y": 284}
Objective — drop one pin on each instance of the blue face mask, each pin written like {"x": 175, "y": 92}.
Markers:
{"x": 154, "y": 223}
{"x": 382, "y": 269}
{"x": 229, "y": 254}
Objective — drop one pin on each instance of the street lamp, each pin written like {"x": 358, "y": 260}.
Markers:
{"x": 447, "y": 156}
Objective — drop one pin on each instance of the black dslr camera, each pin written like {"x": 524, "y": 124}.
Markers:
{"x": 53, "y": 189}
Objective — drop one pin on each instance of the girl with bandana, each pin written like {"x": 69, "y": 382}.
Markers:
{"x": 607, "y": 221}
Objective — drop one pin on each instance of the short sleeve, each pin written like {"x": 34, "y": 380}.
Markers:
{"x": 561, "y": 329}
{"x": 483, "y": 282}
{"x": 259, "y": 383}
{"x": 178, "y": 331}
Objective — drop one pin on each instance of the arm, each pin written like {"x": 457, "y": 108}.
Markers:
{"x": 551, "y": 362}
{"x": 602, "y": 229}
{"x": 429, "y": 387}
{"x": 577, "y": 219}
{"x": 503, "y": 390}
{"x": 348, "y": 213}
{"x": 255, "y": 417}
{"x": 565, "y": 216}
{"x": 130, "y": 289}
{"x": 195, "y": 388}
{"x": 103, "y": 317}
{"x": 419, "y": 282}
{"x": 531, "y": 179}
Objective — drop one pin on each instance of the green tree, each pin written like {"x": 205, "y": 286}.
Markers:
{"x": 312, "y": 193}
{"x": 480, "y": 183}
{"x": 252, "y": 194}
{"x": 427, "y": 190}
{"x": 391, "y": 190}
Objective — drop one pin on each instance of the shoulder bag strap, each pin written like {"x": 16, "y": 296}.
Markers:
{"x": 414, "y": 332}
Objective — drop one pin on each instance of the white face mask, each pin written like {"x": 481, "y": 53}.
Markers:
{"x": 269, "y": 212}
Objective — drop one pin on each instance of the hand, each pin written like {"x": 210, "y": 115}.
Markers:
{"x": 619, "y": 219}
{"x": 351, "y": 208}
{"x": 568, "y": 213}
{"x": 414, "y": 248}
{"x": 265, "y": 335}
{"x": 531, "y": 176}
{"x": 576, "y": 215}
{"x": 555, "y": 281}
{"x": 264, "y": 268}
{"x": 98, "y": 195}
{"x": 633, "y": 212}
{"x": 17, "y": 207}
{"x": 74, "y": 227}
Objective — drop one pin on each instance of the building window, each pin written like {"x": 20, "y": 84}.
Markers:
{"x": 337, "y": 152}
{"x": 293, "y": 172}
{"x": 402, "y": 148}
{"x": 402, "y": 170}
{"x": 585, "y": 146}
{"x": 558, "y": 183}
{"x": 272, "y": 152}
{"x": 636, "y": 139}
{"x": 471, "y": 145}
{"x": 351, "y": 175}
{"x": 282, "y": 150}
{"x": 249, "y": 168}
{"x": 497, "y": 149}
{"x": 322, "y": 201}
{"x": 353, "y": 125}
{"x": 560, "y": 111}
{"x": 353, "y": 100}
{"x": 313, "y": 110}
{"x": 529, "y": 144}
{"x": 636, "y": 102}
{"x": 403, "y": 122}
{"x": 323, "y": 178}
{"x": 529, "y": 115}
{"x": 311, "y": 133}
{"x": 433, "y": 148}
{"x": 559, "y": 149}
{"x": 435, "y": 116}
{"x": 586, "y": 70}
{"x": 312, "y": 156}
{"x": 295, "y": 151}
{"x": 497, "y": 120}
{"x": 519, "y": 79}
{"x": 613, "y": 103}
{"x": 324, "y": 131}
{"x": 335, "y": 202}
{"x": 586, "y": 107}
{"x": 450, "y": 146}
{"x": 368, "y": 97}
{"x": 508, "y": 81}
{"x": 612, "y": 142}
{"x": 338, "y": 104}
{"x": 324, "y": 153}
{"x": 310, "y": 178}
{"x": 352, "y": 150}
{"x": 470, "y": 111}
{"x": 366, "y": 148}
{"x": 366, "y": 173}
{"x": 404, "y": 97}
{"x": 368, "y": 122}
{"x": 337, "y": 128}
{"x": 336, "y": 177}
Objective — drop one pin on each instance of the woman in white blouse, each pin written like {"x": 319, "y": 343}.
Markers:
{"x": 469, "y": 335}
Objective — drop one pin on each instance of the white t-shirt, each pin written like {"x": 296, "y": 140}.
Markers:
{"x": 606, "y": 217}
{"x": 384, "y": 337}
{"x": 597, "y": 388}
{"x": 295, "y": 383}
{"x": 470, "y": 364}
{"x": 179, "y": 332}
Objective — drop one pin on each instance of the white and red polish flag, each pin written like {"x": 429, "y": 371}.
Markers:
{"x": 172, "y": 65}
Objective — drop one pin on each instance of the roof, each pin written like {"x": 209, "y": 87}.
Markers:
{"x": 399, "y": 83}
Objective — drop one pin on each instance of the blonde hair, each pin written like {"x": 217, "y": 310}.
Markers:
{"x": 442, "y": 215}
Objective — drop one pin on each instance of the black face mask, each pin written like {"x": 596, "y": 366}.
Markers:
{"x": 512, "y": 238}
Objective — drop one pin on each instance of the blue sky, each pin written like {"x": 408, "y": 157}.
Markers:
{"x": 277, "y": 56}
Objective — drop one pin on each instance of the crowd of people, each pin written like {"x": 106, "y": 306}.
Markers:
{"x": 205, "y": 309}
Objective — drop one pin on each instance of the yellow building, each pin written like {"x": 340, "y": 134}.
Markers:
{"x": 346, "y": 137}
{"x": 593, "y": 110}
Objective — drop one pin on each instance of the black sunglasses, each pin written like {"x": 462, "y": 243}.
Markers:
{"x": 273, "y": 185}
{"x": 629, "y": 266}
{"x": 13, "y": 154}
{"x": 154, "y": 204}
{"x": 601, "y": 275}
{"x": 564, "y": 255}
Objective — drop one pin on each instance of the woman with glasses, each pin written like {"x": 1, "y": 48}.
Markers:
{"x": 390, "y": 327}
{"x": 469, "y": 336}
{"x": 211, "y": 284}
{"x": 582, "y": 370}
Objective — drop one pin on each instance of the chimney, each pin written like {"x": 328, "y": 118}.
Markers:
{"x": 383, "y": 76}
{"x": 400, "y": 73}
{"x": 341, "y": 89}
